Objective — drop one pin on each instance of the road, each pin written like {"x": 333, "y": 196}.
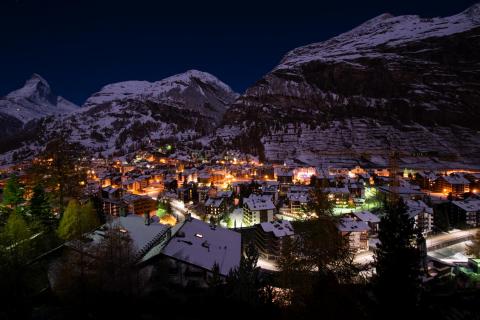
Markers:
{"x": 432, "y": 242}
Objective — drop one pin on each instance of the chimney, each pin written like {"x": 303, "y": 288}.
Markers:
{"x": 147, "y": 218}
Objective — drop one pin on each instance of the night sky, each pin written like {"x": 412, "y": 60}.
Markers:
{"x": 81, "y": 45}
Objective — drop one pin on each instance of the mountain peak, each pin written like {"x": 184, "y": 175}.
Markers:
{"x": 34, "y": 100}
{"x": 36, "y": 88}
{"x": 473, "y": 12}
{"x": 36, "y": 78}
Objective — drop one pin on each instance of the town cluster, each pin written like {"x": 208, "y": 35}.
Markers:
{"x": 198, "y": 215}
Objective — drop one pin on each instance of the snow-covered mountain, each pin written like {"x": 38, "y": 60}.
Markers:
{"x": 393, "y": 83}
{"x": 34, "y": 100}
{"x": 194, "y": 90}
{"x": 384, "y": 30}
{"x": 125, "y": 116}
{"x": 405, "y": 84}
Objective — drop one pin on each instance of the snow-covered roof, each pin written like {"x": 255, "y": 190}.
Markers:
{"x": 468, "y": 205}
{"x": 367, "y": 216}
{"x": 284, "y": 172}
{"x": 259, "y": 202}
{"x": 456, "y": 179}
{"x": 298, "y": 196}
{"x": 225, "y": 193}
{"x": 143, "y": 236}
{"x": 279, "y": 228}
{"x": 214, "y": 202}
{"x": 415, "y": 207}
{"x": 203, "y": 245}
{"x": 351, "y": 225}
{"x": 400, "y": 190}
{"x": 301, "y": 188}
{"x": 336, "y": 190}
{"x": 130, "y": 197}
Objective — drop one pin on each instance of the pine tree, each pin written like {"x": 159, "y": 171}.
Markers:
{"x": 60, "y": 169}
{"x": 244, "y": 281}
{"x": 40, "y": 208}
{"x": 13, "y": 192}
{"x": 397, "y": 260}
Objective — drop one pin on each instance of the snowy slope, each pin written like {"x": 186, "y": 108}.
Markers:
{"x": 384, "y": 30}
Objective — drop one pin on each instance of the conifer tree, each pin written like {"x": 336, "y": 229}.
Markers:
{"x": 13, "y": 193}
{"x": 397, "y": 259}
{"x": 40, "y": 208}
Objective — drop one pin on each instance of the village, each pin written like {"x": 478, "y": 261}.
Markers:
{"x": 203, "y": 213}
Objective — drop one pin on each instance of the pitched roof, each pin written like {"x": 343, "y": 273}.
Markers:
{"x": 468, "y": 205}
{"x": 367, "y": 216}
{"x": 350, "y": 225}
{"x": 203, "y": 245}
{"x": 257, "y": 202}
{"x": 279, "y": 228}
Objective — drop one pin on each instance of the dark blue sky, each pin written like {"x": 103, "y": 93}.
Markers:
{"x": 81, "y": 45}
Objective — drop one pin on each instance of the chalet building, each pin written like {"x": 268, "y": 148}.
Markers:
{"x": 456, "y": 184}
{"x": 258, "y": 209}
{"x": 340, "y": 196}
{"x": 422, "y": 214}
{"x": 474, "y": 179}
{"x": 204, "y": 179}
{"x": 284, "y": 175}
{"x": 404, "y": 192}
{"x": 139, "y": 205}
{"x": 112, "y": 203}
{"x": 269, "y": 237}
{"x": 292, "y": 208}
{"x": 425, "y": 179}
{"x": 356, "y": 232}
{"x": 466, "y": 212}
{"x": 202, "y": 194}
{"x": 147, "y": 238}
{"x": 271, "y": 188}
{"x": 215, "y": 207}
{"x": 196, "y": 248}
{"x": 369, "y": 218}
{"x": 356, "y": 189}
{"x": 185, "y": 193}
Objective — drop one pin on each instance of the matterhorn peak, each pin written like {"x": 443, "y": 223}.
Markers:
{"x": 35, "y": 88}
{"x": 34, "y": 100}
